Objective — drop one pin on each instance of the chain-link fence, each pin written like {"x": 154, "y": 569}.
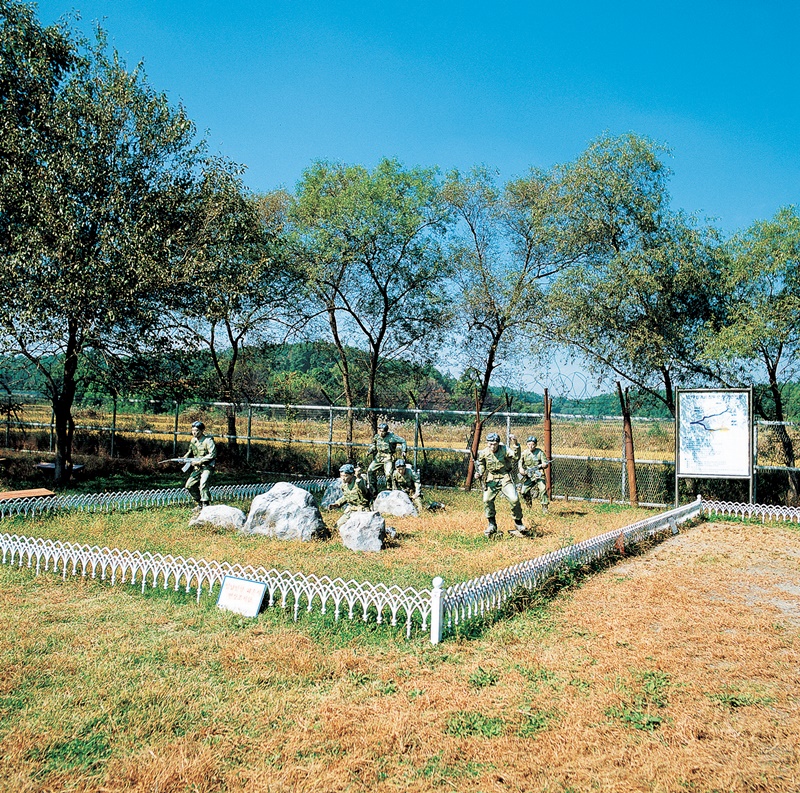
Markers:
{"x": 588, "y": 459}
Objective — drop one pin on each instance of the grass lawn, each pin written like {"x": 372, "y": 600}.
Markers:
{"x": 676, "y": 670}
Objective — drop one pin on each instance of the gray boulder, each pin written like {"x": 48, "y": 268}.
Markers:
{"x": 286, "y": 512}
{"x": 363, "y": 531}
{"x": 394, "y": 502}
{"x": 333, "y": 492}
{"x": 219, "y": 516}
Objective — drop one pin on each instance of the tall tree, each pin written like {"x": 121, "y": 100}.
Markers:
{"x": 508, "y": 243}
{"x": 647, "y": 281}
{"x": 756, "y": 338}
{"x": 371, "y": 245}
{"x": 100, "y": 211}
{"x": 233, "y": 287}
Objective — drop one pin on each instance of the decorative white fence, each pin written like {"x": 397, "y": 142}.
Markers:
{"x": 155, "y": 569}
{"x": 763, "y": 511}
{"x": 440, "y": 610}
{"x": 470, "y": 599}
{"x": 138, "y": 499}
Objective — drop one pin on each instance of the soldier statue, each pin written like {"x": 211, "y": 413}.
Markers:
{"x": 383, "y": 448}
{"x": 496, "y": 468}
{"x": 405, "y": 478}
{"x": 203, "y": 454}
{"x": 532, "y": 466}
{"x": 356, "y": 495}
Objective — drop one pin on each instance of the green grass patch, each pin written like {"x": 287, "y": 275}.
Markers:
{"x": 468, "y": 724}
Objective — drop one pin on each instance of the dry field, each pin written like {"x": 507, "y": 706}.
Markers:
{"x": 677, "y": 670}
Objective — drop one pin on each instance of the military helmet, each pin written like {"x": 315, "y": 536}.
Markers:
{"x": 532, "y": 439}
{"x": 198, "y": 424}
{"x": 347, "y": 468}
{"x": 383, "y": 426}
{"x": 399, "y": 463}
{"x": 493, "y": 437}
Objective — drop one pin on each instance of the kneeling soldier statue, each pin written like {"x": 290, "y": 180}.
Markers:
{"x": 496, "y": 468}
{"x": 356, "y": 495}
{"x": 406, "y": 479}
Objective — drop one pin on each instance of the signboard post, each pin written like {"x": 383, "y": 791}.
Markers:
{"x": 714, "y": 435}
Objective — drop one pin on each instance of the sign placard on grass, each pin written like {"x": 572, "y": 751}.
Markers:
{"x": 241, "y": 595}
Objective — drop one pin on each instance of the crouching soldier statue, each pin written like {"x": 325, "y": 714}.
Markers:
{"x": 496, "y": 468}
{"x": 532, "y": 466}
{"x": 203, "y": 454}
{"x": 383, "y": 448}
{"x": 406, "y": 479}
{"x": 356, "y": 495}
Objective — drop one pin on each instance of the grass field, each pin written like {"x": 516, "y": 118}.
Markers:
{"x": 676, "y": 670}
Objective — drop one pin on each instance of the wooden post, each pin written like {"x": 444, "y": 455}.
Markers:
{"x": 113, "y": 424}
{"x": 249, "y": 429}
{"x": 630, "y": 460}
{"x": 548, "y": 444}
{"x": 330, "y": 437}
{"x": 175, "y": 429}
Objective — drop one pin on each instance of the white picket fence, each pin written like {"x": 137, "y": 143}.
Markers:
{"x": 438, "y": 610}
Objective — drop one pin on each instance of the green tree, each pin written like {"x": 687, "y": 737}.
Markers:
{"x": 648, "y": 279}
{"x": 232, "y": 290}
{"x": 100, "y": 218}
{"x": 370, "y": 242}
{"x": 756, "y": 338}
{"x": 508, "y": 243}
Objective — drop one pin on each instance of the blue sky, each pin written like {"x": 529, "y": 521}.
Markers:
{"x": 276, "y": 84}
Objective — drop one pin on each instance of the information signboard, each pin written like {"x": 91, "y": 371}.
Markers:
{"x": 714, "y": 433}
{"x": 241, "y": 595}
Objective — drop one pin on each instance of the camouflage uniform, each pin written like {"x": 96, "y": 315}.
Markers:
{"x": 384, "y": 449}
{"x": 499, "y": 468}
{"x": 531, "y": 469}
{"x": 408, "y": 482}
{"x": 356, "y": 497}
{"x": 204, "y": 448}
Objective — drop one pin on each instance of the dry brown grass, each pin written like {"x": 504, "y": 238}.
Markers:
{"x": 677, "y": 670}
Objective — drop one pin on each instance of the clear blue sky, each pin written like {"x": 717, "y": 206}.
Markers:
{"x": 277, "y": 84}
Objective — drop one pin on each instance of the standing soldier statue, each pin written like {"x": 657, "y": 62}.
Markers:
{"x": 406, "y": 479}
{"x": 496, "y": 467}
{"x": 203, "y": 455}
{"x": 356, "y": 496}
{"x": 531, "y": 468}
{"x": 383, "y": 449}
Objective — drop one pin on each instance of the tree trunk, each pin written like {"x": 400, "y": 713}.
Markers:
{"x": 62, "y": 409}
{"x": 785, "y": 440}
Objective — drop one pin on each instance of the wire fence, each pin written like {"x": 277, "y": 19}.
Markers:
{"x": 311, "y": 440}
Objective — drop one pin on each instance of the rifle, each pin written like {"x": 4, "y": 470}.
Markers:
{"x": 189, "y": 461}
{"x": 531, "y": 472}
{"x": 475, "y": 463}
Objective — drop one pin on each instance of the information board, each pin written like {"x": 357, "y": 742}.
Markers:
{"x": 241, "y": 595}
{"x": 714, "y": 432}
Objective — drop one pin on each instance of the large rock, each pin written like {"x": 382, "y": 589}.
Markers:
{"x": 333, "y": 492}
{"x": 219, "y": 516}
{"x": 363, "y": 531}
{"x": 286, "y": 512}
{"x": 394, "y": 502}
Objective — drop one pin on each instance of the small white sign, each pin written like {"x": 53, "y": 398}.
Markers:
{"x": 241, "y": 595}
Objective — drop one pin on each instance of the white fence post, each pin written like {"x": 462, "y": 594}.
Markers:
{"x": 437, "y": 610}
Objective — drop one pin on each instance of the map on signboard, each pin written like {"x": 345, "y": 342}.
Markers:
{"x": 714, "y": 434}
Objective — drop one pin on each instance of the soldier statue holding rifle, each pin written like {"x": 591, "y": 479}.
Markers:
{"x": 496, "y": 467}
{"x": 383, "y": 448}
{"x": 532, "y": 465}
{"x": 201, "y": 459}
